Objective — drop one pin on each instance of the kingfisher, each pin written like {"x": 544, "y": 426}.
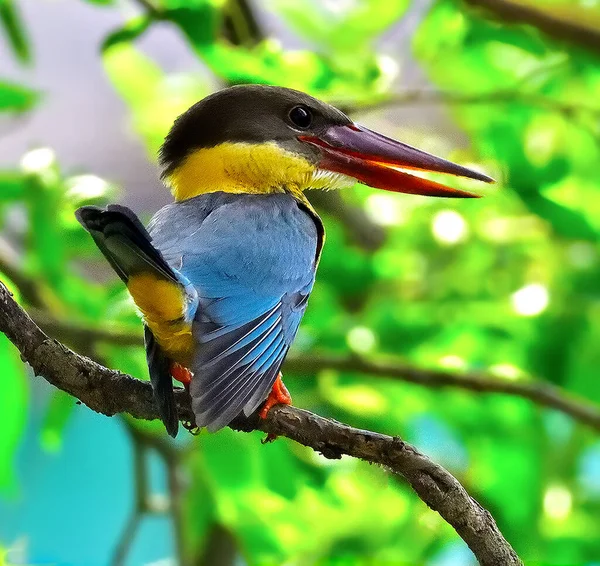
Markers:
{"x": 222, "y": 276}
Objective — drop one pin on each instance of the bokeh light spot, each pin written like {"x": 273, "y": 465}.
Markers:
{"x": 361, "y": 339}
{"x": 385, "y": 210}
{"x": 37, "y": 160}
{"x": 452, "y": 361}
{"x": 530, "y": 300}
{"x": 449, "y": 227}
{"x": 507, "y": 371}
{"x": 558, "y": 502}
{"x": 87, "y": 187}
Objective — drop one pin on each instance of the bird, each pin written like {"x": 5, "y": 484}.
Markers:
{"x": 223, "y": 274}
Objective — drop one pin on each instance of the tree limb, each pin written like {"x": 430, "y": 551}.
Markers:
{"x": 145, "y": 503}
{"x": 359, "y": 228}
{"x": 110, "y": 392}
{"x": 131, "y": 527}
{"x": 540, "y": 392}
{"x": 502, "y": 96}
{"x": 568, "y": 30}
{"x": 27, "y": 286}
{"x": 535, "y": 390}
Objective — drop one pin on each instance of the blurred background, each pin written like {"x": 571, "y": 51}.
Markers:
{"x": 508, "y": 285}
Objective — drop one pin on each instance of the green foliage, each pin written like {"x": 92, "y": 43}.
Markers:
{"x": 341, "y": 28}
{"x": 155, "y": 99}
{"x": 15, "y": 98}
{"x": 13, "y": 408}
{"x": 508, "y": 283}
{"x": 14, "y": 30}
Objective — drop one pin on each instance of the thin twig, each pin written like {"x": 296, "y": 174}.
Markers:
{"x": 172, "y": 457}
{"x": 144, "y": 503}
{"x": 220, "y": 548}
{"x": 542, "y": 18}
{"x": 75, "y": 332}
{"x": 359, "y": 228}
{"x": 175, "y": 496}
{"x": 141, "y": 486}
{"x": 540, "y": 392}
{"x": 28, "y": 289}
{"x": 151, "y": 9}
{"x": 110, "y": 392}
{"x": 503, "y": 96}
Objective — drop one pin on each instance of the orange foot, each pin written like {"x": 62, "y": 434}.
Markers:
{"x": 181, "y": 374}
{"x": 279, "y": 396}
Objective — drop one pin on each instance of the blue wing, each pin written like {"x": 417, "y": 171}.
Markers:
{"x": 252, "y": 260}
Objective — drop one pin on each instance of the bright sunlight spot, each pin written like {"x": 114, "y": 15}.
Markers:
{"x": 449, "y": 227}
{"x": 37, "y": 160}
{"x": 361, "y": 339}
{"x": 452, "y": 361}
{"x": 558, "y": 502}
{"x": 362, "y": 399}
{"x": 530, "y": 300}
{"x": 385, "y": 210}
{"x": 507, "y": 371}
{"x": 87, "y": 186}
{"x": 339, "y": 7}
{"x": 389, "y": 66}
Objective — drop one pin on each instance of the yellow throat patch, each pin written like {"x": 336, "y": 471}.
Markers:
{"x": 248, "y": 168}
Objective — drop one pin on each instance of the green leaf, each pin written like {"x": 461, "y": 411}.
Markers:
{"x": 16, "y": 98}
{"x": 44, "y": 198}
{"x": 102, "y": 2}
{"x": 58, "y": 412}
{"x": 341, "y": 25}
{"x": 154, "y": 98}
{"x": 200, "y": 22}
{"x": 12, "y": 186}
{"x": 14, "y": 29}
{"x": 13, "y": 409}
{"x": 129, "y": 32}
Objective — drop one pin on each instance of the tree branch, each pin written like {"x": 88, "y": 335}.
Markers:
{"x": 571, "y": 30}
{"x": 430, "y": 97}
{"x": 359, "y": 228}
{"x": 535, "y": 390}
{"x": 540, "y": 392}
{"x": 110, "y": 392}
{"x": 27, "y": 286}
{"x": 141, "y": 488}
{"x": 144, "y": 503}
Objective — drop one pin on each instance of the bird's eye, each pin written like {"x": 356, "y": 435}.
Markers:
{"x": 301, "y": 117}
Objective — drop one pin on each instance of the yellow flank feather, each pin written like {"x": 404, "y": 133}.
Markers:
{"x": 162, "y": 304}
{"x": 248, "y": 168}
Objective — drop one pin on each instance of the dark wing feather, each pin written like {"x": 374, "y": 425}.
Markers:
{"x": 159, "y": 367}
{"x": 124, "y": 241}
{"x": 241, "y": 373}
{"x": 128, "y": 247}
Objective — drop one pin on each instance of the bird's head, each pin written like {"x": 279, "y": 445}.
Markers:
{"x": 264, "y": 139}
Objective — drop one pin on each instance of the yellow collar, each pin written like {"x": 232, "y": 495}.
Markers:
{"x": 248, "y": 168}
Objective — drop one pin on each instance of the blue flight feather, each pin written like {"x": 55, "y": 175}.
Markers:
{"x": 251, "y": 260}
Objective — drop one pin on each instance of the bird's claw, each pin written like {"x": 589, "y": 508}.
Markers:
{"x": 191, "y": 428}
{"x": 181, "y": 374}
{"x": 279, "y": 396}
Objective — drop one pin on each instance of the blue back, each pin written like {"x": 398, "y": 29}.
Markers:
{"x": 252, "y": 261}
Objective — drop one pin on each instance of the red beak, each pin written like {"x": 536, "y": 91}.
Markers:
{"x": 376, "y": 160}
